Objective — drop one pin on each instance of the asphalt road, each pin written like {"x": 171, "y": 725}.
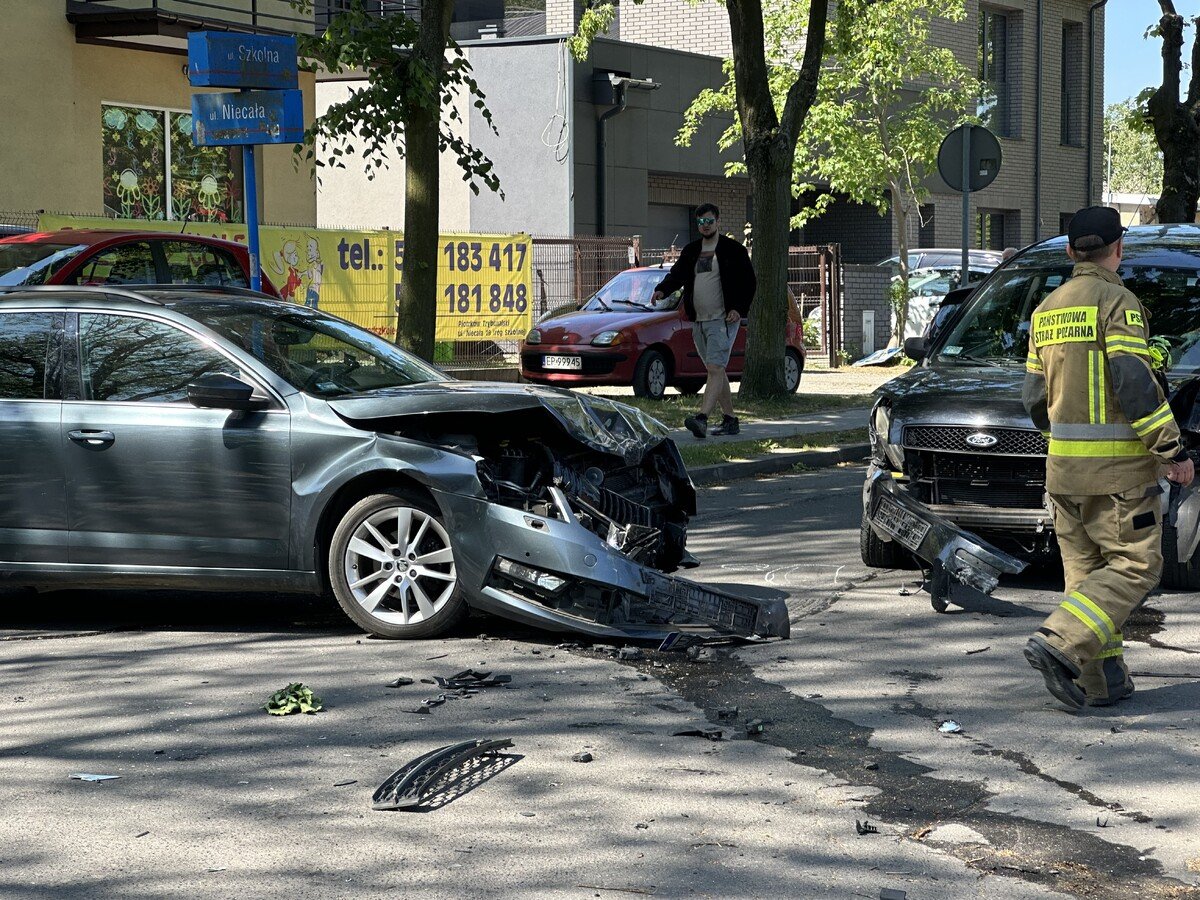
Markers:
{"x": 217, "y": 799}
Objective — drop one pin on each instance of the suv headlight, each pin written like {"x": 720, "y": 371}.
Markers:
{"x": 534, "y": 337}
{"x": 879, "y": 427}
{"x": 606, "y": 339}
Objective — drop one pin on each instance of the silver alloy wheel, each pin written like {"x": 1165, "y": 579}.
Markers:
{"x": 791, "y": 371}
{"x": 399, "y": 566}
{"x": 656, "y": 377}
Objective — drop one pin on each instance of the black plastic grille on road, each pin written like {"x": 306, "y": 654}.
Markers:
{"x": 953, "y": 439}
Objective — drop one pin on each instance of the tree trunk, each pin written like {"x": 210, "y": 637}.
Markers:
{"x": 900, "y": 302}
{"x": 416, "y": 306}
{"x": 770, "y": 192}
{"x": 1175, "y": 124}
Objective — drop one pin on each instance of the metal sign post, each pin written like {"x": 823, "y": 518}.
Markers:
{"x": 968, "y": 160}
{"x": 249, "y": 117}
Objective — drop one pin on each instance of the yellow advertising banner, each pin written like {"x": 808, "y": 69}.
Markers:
{"x": 484, "y": 281}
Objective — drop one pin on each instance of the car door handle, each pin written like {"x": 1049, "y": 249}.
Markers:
{"x": 92, "y": 438}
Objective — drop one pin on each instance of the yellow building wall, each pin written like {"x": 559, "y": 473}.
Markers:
{"x": 51, "y": 91}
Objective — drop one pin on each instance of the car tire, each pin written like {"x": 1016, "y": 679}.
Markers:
{"x": 880, "y": 554}
{"x": 793, "y": 370}
{"x": 373, "y": 590}
{"x": 1180, "y": 576}
{"x": 689, "y": 388}
{"x": 651, "y": 375}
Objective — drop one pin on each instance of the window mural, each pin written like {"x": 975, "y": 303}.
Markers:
{"x": 152, "y": 170}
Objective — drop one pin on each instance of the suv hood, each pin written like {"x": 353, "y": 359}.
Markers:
{"x": 959, "y": 395}
{"x": 601, "y": 424}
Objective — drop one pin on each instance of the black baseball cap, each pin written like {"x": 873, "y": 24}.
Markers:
{"x": 1094, "y": 227}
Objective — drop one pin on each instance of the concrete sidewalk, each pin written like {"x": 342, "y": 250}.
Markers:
{"x": 808, "y": 423}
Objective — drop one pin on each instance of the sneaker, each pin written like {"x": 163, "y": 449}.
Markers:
{"x": 729, "y": 425}
{"x": 697, "y": 425}
{"x": 1058, "y": 674}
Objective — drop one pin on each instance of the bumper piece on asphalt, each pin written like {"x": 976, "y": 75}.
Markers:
{"x": 419, "y": 780}
{"x": 896, "y": 516}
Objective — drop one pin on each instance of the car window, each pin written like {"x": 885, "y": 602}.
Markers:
{"x": 191, "y": 262}
{"x": 28, "y": 356}
{"x": 131, "y": 263}
{"x": 632, "y": 289}
{"x": 25, "y": 263}
{"x": 133, "y": 360}
{"x": 996, "y": 326}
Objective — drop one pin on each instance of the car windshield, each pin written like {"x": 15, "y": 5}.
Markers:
{"x": 995, "y": 326}
{"x": 314, "y": 352}
{"x": 28, "y": 263}
{"x": 631, "y": 290}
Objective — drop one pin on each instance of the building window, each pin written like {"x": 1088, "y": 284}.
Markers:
{"x": 925, "y": 231}
{"x": 152, "y": 170}
{"x": 990, "y": 230}
{"x": 1064, "y": 222}
{"x": 995, "y": 104}
{"x": 1071, "y": 86}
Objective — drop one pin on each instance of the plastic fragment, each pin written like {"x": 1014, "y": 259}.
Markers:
{"x": 949, "y": 727}
{"x": 87, "y": 776}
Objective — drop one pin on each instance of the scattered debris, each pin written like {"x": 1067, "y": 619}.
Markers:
{"x": 630, "y": 653}
{"x": 727, "y": 713}
{"x": 529, "y": 815}
{"x": 697, "y": 653}
{"x": 345, "y": 783}
{"x": 583, "y": 757}
{"x": 892, "y": 894}
{"x": 87, "y": 776}
{"x": 295, "y": 698}
{"x": 143, "y": 834}
{"x": 712, "y": 682}
{"x": 905, "y": 592}
{"x": 217, "y": 869}
{"x": 18, "y": 699}
{"x": 642, "y": 826}
{"x": 756, "y": 726}
{"x": 713, "y": 734}
{"x": 623, "y": 890}
{"x": 1100, "y": 824}
{"x": 865, "y": 827}
{"x": 402, "y": 681}
{"x": 439, "y": 656}
{"x": 469, "y": 678}
{"x": 949, "y": 727}
{"x": 414, "y": 782}
{"x": 871, "y": 766}
{"x": 979, "y": 650}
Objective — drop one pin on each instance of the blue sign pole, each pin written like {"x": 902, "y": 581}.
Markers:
{"x": 250, "y": 173}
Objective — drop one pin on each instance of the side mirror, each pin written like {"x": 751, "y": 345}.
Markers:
{"x": 958, "y": 296}
{"x": 217, "y": 390}
{"x": 915, "y": 348}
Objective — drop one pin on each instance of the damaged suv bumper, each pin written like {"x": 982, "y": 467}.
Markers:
{"x": 896, "y": 516}
{"x": 553, "y": 573}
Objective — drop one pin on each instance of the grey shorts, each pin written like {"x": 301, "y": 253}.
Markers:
{"x": 714, "y": 340}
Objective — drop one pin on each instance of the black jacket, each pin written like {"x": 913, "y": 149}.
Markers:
{"x": 738, "y": 283}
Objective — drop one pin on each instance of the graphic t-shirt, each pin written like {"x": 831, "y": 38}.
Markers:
{"x": 707, "y": 294}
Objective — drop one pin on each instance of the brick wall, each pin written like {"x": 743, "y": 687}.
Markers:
{"x": 865, "y": 287}
{"x": 677, "y": 24}
{"x": 731, "y": 195}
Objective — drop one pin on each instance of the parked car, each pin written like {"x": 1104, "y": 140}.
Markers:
{"x": 124, "y": 257}
{"x": 952, "y": 438}
{"x": 221, "y": 439}
{"x": 618, "y": 336}
{"x": 946, "y": 258}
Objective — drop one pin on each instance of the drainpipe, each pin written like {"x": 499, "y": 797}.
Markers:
{"x": 1037, "y": 133}
{"x": 1091, "y": 94}
{"x": 602, "y": 159}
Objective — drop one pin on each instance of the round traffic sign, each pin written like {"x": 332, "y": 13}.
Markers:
{"x": 984, "y": 162}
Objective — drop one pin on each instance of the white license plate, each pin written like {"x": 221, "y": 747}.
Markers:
{"x": 903, "y": 526}
{"x": 574, "y": 363}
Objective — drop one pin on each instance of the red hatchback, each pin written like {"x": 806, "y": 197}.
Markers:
{"x": 619, "y": 337}
{"x": 124, "y": 257}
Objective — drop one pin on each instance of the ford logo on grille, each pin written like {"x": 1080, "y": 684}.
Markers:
{"x": 979, "y": 439}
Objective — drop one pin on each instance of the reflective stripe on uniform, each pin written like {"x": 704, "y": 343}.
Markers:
{"x": 1117, "y": 432}
{"x": 1160, "y": 416}
{"x": 1033, "y": 364}
{"x": 1114, "y": 648}
{"x": 1125, "y": 343}
{"x": 1091, "y": 615}
{"x": 1096, "y": 393}
{"x": 1096, "y": 449}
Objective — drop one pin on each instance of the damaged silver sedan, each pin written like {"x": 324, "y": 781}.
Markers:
{"x": 217, "y": 439}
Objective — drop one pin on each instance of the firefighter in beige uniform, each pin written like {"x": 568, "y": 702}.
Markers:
{"x": 1089, "y": 387}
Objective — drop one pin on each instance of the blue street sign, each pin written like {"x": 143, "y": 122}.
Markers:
{"x": 224, "y": 59}
{"x": 247, "y": 117}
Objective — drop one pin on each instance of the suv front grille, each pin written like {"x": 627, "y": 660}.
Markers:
{"x": 953, "y": 439}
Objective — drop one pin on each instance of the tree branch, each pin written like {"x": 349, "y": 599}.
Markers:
{"x": 803, "y": 91}
{"x": 1194, "y": 84}
{"x": 756, "y": 109}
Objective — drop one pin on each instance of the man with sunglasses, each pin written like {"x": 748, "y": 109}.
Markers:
{"x": 718, "y": 286}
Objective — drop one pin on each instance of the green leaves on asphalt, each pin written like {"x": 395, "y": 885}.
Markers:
{"x": 295, "y": 698}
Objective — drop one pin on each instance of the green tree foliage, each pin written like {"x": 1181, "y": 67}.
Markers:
{"x": 1133, "y": 164}
{"x": 771, "y": 97}
{"x": 412, "y": 75}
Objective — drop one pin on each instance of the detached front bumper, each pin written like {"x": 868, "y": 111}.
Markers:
{"x": 895, "y": 516}
{"x": 602, "y": 592}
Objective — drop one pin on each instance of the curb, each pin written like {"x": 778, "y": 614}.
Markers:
{"x": 778, "y": 462}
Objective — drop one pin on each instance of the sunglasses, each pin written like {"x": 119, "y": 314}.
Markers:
{"x": 705, "y": 220}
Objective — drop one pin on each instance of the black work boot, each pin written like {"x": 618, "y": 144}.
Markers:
{"x": 1057, "y": 671}
{"x": 729, "y": 425}
{"x": 1117, "y": 686}
{"x": 697, "y": 425}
